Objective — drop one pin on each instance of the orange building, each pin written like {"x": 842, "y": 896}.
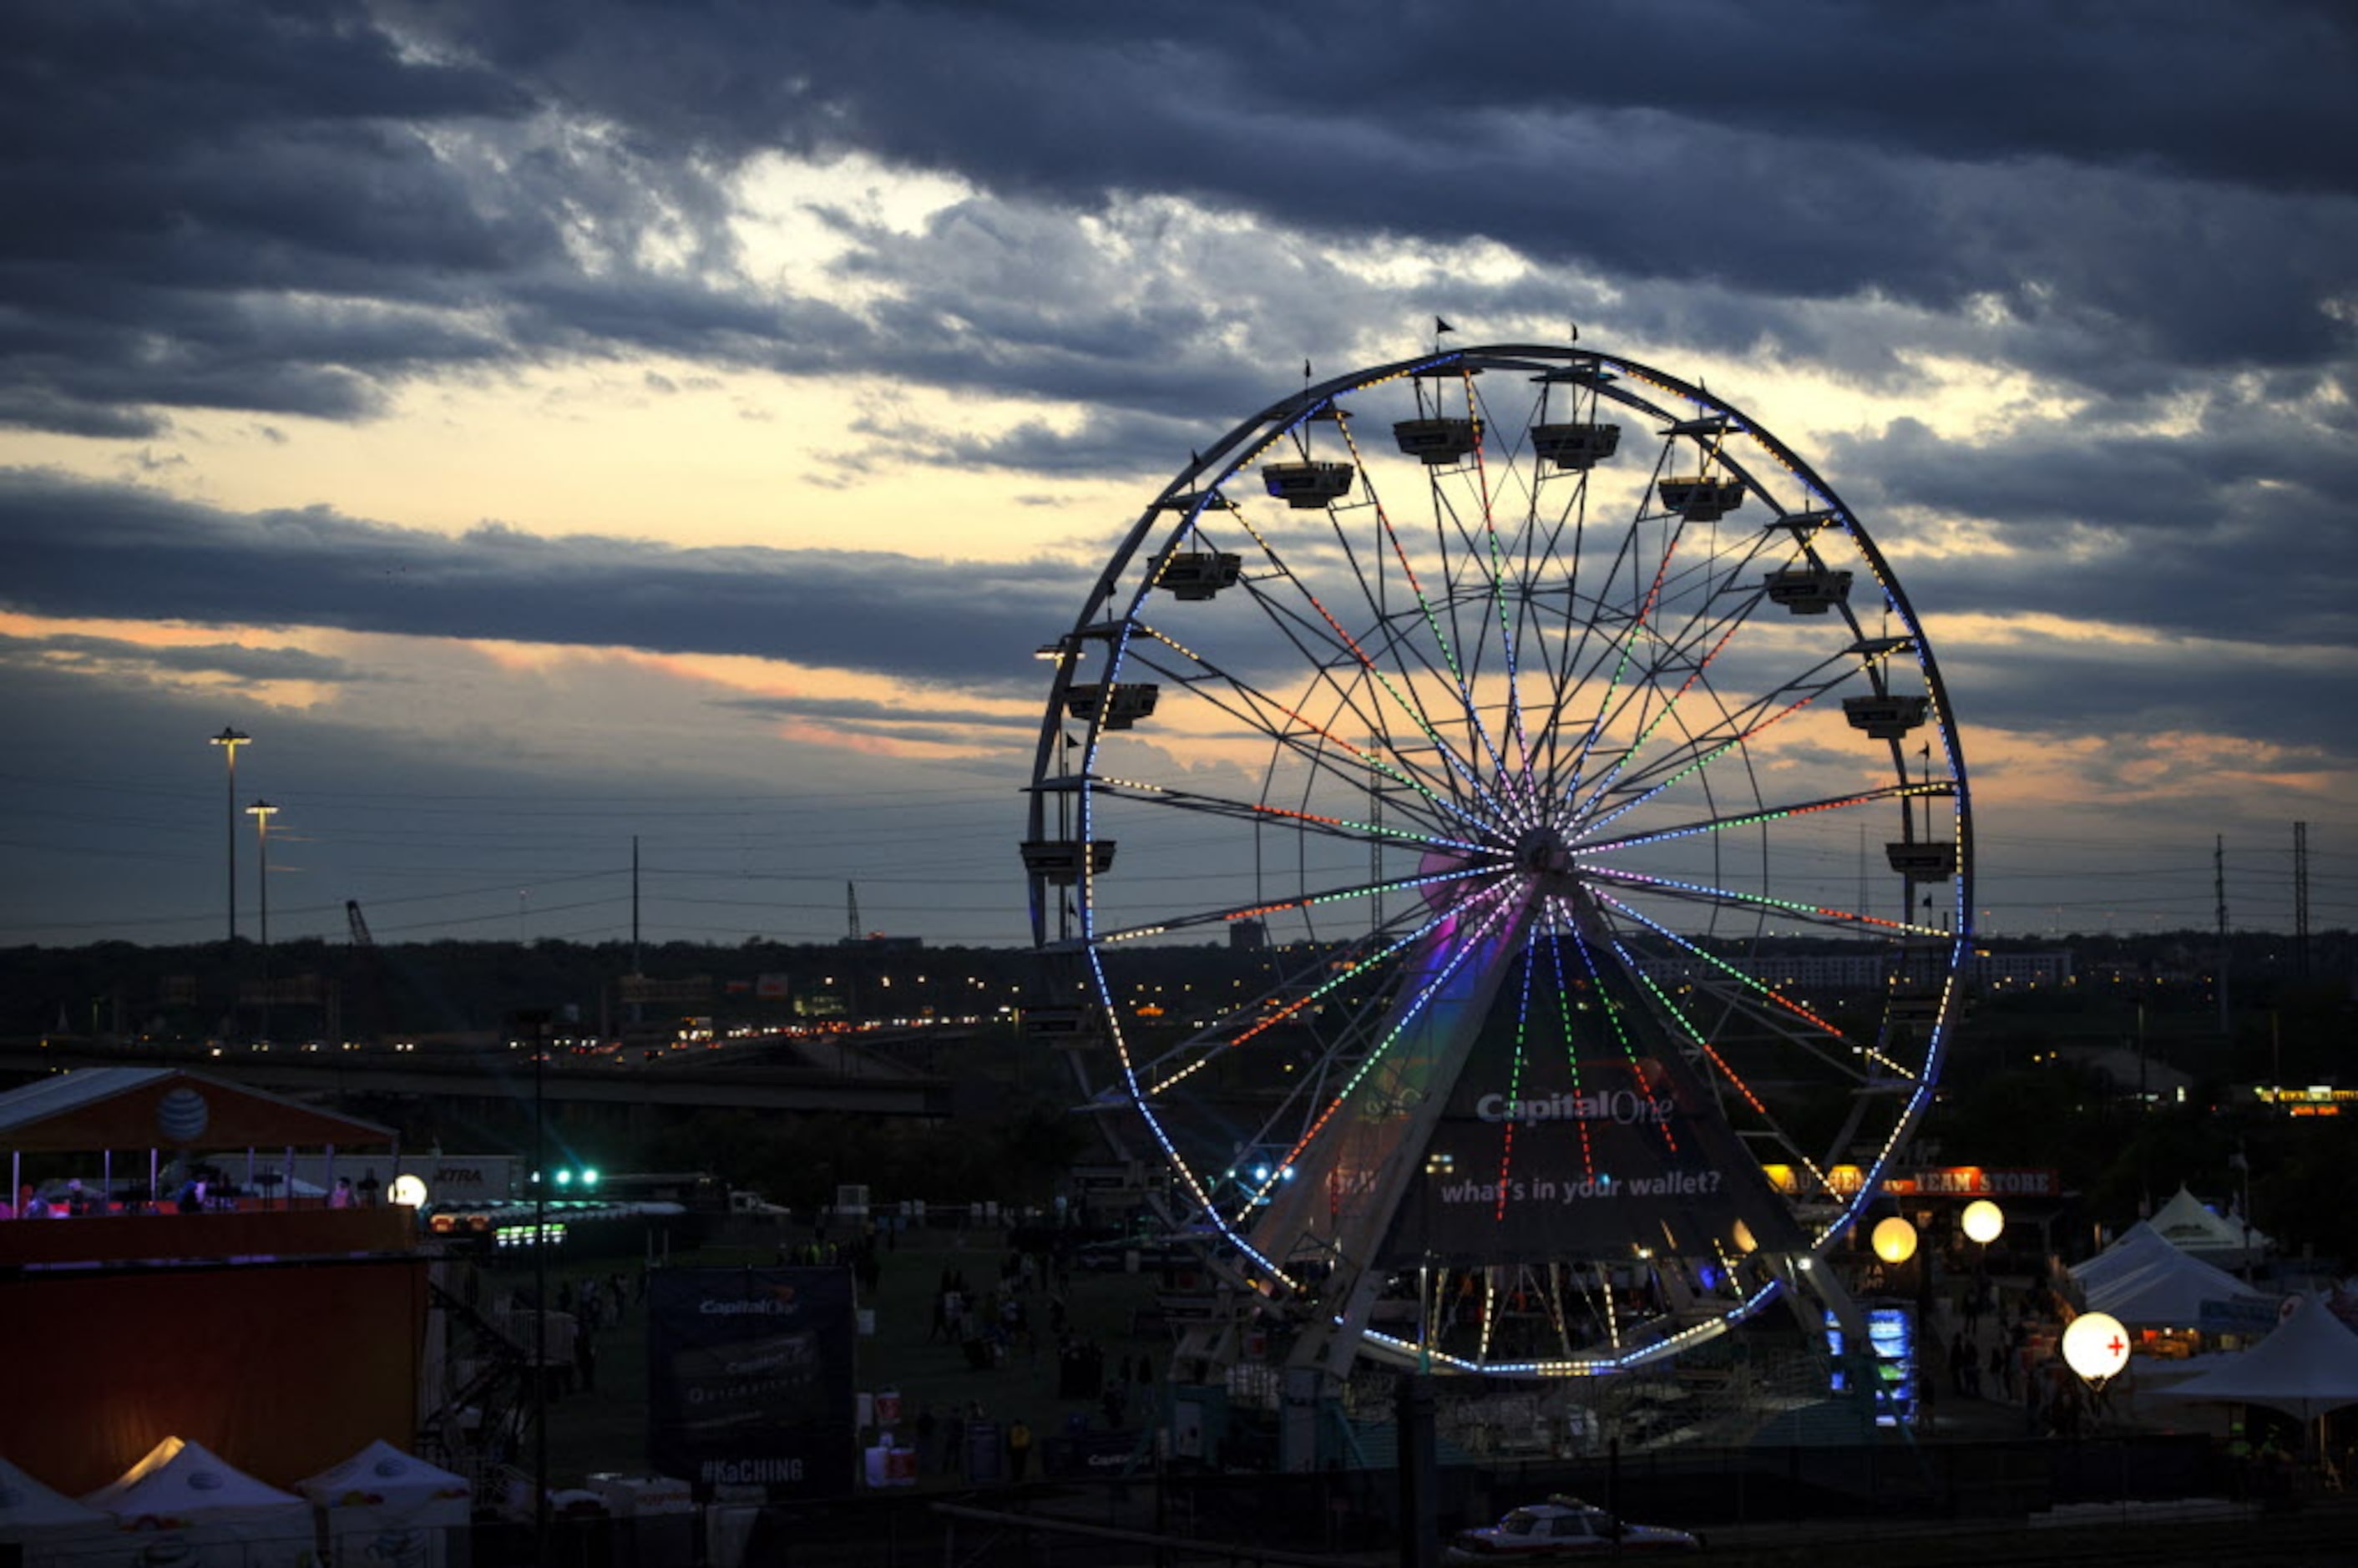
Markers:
{"x": 283, "y": 1334}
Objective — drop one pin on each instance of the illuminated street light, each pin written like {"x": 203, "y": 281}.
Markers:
{"x": 229, "y": 740}
{"x": 2095, "y": 1347}
{"x": 1984, "y": 1221}
{"x": 262, "y": 811}
{"x": 1894, "y": 1240}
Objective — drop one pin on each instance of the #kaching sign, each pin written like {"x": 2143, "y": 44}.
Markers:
{"x": 750, "y": 1379}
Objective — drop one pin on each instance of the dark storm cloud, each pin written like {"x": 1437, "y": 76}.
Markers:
{"x": 862, "y": 711}
{"x": 2054, "y": 688}
{"x": 2231, "y": 531}
{"x": 179, "y": 173}
{"x": 1098, "y": 444}
{"x": 84, "y": 550}
{"x": 238, "y": 662}
{"x": 294, "y": 208}
{"x": 901, "y": 723}
{"x": 2146, "y": 166}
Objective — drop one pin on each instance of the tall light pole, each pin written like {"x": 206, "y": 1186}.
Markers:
{"x": 262, "y": 811}
{"x": 229, "y": 740}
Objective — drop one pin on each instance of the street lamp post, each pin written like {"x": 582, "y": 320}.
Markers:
{"x": 2095, "y": 1347}
{"x": 229, "y": 740}
{"x": 262, "y": 811}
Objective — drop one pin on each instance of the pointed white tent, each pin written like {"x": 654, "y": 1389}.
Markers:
{"x": 52, "y": 1529}
{"x": 2188, "y": 1224}
{"x": 2307, "y": 1367}
{"x": 185, "y": 1492}
{"x": 383, "y": 1507}
{"x": 2138, "y": 1247}
{"x": 2147, "y": 1283}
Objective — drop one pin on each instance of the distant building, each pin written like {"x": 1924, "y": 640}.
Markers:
{"x": 1867, "y": 972}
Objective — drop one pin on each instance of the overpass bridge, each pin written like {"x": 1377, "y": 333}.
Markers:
{"x": 853, "y": 1081}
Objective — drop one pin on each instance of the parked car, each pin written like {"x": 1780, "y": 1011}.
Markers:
{"x": 1559, "y": 1529}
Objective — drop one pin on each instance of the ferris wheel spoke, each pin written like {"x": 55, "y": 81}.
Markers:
{"x": 1462, "y": 774}
{"x": 1509, "y": 625}
{"x": 1622, "y": 649}
{"x": 1339, "y": 894}
{"x": 1496, "y": 910}
{"x": 1281, "y": 1004}
{"x": 1459, "y": 675}
{"x": 1319, "y": 746}
{"x": 1698, "y": 749}
{"x": 1844, "y": 1058}
{"x": 1752, "y": 818}
{"x": 1309, "y": 823}
{"x": 1702, "y": 751}
{"x": 1610, "y": 1004}
{"x": 1692, "y": 647}
{"x": 1669, "y": 705}
{"x": 1725, "y": 1075}
{"x": 1759, "y": 992}
{"x": 1846, "y": 922}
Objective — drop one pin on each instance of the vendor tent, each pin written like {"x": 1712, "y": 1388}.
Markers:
{"x": 2145, "y": 1283}
{"x": 381, "y": 1508}
{"x": 208, "y": 1513}
{"x": 52, "y": 1530}
{"x": 2308, "y": 1367}
{"x": 2188, "y": 1225}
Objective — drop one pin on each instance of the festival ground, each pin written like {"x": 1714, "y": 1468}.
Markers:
{"x": 604, "y": 1428}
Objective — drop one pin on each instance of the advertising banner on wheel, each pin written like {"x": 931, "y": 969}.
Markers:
{"x": 1579, "y": 1136}
{"x": 750, "y": 1379}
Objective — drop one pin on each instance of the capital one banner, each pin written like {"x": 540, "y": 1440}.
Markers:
{"x": 1580, "y": 1131}
{"x": 750, "y": 1379}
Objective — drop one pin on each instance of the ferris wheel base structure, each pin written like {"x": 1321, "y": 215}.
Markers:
{"x": 1523, "y": 709}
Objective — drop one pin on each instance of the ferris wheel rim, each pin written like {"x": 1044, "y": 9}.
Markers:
{"x": 1192, "y": 494}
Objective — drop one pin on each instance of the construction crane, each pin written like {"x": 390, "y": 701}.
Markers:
{"x": 365, "y": 968}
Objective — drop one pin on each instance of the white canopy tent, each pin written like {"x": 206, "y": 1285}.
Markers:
{"x": 2145, "y": 1283}
{"x": 383, "y": 1508}
{"x": 210, "y": 1512}
{"x": 2187, "y": 1223}
{"x": 53, "y": 1531}
{"x": 2305, "y": 1368}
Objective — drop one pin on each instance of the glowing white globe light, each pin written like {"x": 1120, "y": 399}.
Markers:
{"x": 408, "y": 1191}
{"x": 1894, "y": 1240}
{"x": 2095, "y": 1347}
{"x": 1984, "y": 1221}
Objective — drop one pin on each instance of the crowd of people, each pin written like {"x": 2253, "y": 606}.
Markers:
{"x": 197, "y": 1191}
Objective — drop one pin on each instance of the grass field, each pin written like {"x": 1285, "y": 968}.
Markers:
{"x": 606, "y": 1430}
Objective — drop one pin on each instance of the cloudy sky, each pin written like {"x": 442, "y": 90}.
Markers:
{"x": 540, "y": 425}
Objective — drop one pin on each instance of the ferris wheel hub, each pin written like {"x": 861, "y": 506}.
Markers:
{"x": 1543, "y": 855}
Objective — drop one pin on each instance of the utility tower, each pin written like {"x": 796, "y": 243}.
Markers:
{"x": 2219, "y": 893}
{"x": 2300, "y": 899}
{"x": 851, "y": 912}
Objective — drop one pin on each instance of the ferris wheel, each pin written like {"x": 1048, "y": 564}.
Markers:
{"x": 1571, "y": 792}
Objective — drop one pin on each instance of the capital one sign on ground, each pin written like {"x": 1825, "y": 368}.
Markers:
{"x": 750, "y": 1379}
